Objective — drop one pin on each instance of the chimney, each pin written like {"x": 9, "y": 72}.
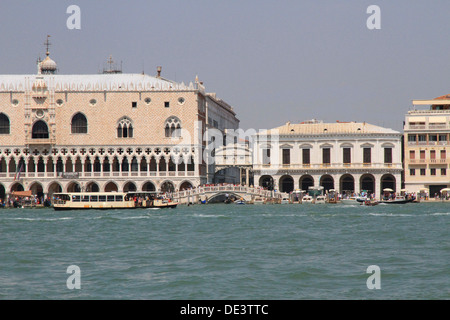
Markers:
{"x": 158, "y": 70}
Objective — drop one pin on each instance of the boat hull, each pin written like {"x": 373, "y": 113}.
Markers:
{"x": 395, "y": 201}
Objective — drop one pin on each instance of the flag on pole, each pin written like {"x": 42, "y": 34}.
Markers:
{"x": 17, "y": 175}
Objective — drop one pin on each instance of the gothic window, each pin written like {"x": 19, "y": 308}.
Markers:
{"x": 79, "y": 123}
{"x": 4, "y": 124}
{"x": 40, "y": 130}
{"x": 172, "y": 127}
{"x": 124, "y": 128}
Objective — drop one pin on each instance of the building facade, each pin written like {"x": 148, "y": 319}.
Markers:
{"x": 349, "y": 157}
{"x": 103, "y": 132}
{"x": 426, "y": 145}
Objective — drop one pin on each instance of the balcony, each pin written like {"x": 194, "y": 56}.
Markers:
{"x": 417, "y": 127}
{"x": 437, "y": 126}
{"x": 438, "y": 161}
{"x": 41, "y": 141}
{"x": 334, "y": 166}
{"x": 417, "y": 161}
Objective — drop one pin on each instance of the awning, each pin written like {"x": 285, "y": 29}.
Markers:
{"x": 437, "y": 119}
{"x": 22, "y": 193}
{"x": 388, "y": 190}
{"x": 416, "y": 119}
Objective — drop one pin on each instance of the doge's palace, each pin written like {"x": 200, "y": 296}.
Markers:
{"x": 104, "y": 132}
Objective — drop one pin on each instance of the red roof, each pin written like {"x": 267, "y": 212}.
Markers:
{"x": 447, "y": 96}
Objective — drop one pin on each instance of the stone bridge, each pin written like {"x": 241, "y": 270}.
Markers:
{"x": 207, "y": 193}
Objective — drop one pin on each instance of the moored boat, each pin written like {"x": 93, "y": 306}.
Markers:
{"x": 351, "y": 200}
{"x": 400, "y": 200}
{"x": 285, "y": 200}
{"x": 164, "y": 203}
{"x": 110, "y": 200}
{"x": 259, "y": 200}
{"x": 369, "y": 202}
{"x": 320, "y": 200}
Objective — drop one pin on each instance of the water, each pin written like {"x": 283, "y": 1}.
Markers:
{"x": 225, "y": 252}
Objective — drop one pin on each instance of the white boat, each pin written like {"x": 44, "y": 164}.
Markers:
{"x": 307, "y": 199}
{"x": 239, "y": 201}
{"x": 259, "y": 200}
{"x": 285, "y": 200}
{"x": 320, "y": 200}
{"x": 353, "y": 200}
{"x": 109, "y": 200}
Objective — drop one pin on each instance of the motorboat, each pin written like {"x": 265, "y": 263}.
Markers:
{"x": 239, "y": 201}
{"x": 351, "y": 200}
{"x": 369, "y": 202}
{"x": 397, "y": 200}
{"x": 285, "y": 200}
{"x": 259, "y": 200}
{"x": 307, "y": 199}
{"x": 332, "y": 196}
{"x": 164, "y": 203}
{"x": 320, "y": 200}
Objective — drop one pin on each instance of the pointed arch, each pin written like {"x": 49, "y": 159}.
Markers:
{"x": 125, "y": 128}
{"x": 172, "y": 127}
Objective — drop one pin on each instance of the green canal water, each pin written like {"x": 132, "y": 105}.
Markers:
{"x": 227, "y": 251}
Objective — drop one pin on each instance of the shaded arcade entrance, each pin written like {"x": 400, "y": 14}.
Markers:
{"x": 347, "y": 184}
{"x": 367, "y": 183}
{"x": 286, "y": 184}
{"x": 266, "y": 182}
{"x": 306, "y": 182}
{"x": 327, "y": 182}
{"x": 387, "y": 181}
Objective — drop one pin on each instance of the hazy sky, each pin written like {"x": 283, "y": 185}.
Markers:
{"x": 273, "y": 61}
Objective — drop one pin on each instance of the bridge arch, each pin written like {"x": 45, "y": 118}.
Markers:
{"x": 224, "y": 194}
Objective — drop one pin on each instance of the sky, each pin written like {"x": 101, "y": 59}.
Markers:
{"x": 273, "y": 61}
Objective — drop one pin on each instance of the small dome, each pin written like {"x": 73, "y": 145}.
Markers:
{"x": 48, "y": 66}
